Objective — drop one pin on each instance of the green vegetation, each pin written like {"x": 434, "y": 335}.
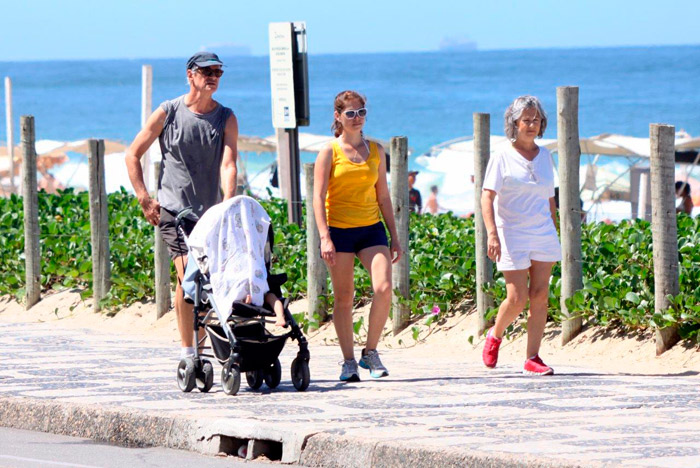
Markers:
{"x": 66, "y": 261}
{"x": 618, "y": 268}
{"x": 619, "y": 277}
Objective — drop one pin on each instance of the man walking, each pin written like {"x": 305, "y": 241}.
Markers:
{"x": 198, "y": 140}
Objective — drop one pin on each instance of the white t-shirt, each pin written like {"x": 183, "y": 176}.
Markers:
{"x": 523, "y": 189}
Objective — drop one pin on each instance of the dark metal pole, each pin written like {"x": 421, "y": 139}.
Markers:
{"x": 294, "y": 199}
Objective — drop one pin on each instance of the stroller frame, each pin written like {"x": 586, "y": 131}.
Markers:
{"x": 196, "y": 371}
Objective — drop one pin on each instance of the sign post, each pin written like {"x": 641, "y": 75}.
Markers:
{"x": 290, "y": 106}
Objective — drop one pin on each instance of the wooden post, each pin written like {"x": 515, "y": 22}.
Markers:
{"x": 399, "y": 200}
{"x": 643, "y": 195}
{"x": 484, "y": 266}
{"x": 569, "y": 206}
{"x": 10, "y": 131}
{"x": 146, "y": 109}
{"x": 663, "y": 227}
{"x": 316, "y": 274}
{"x": 161, "y": 261}
{"x": 99, "y": 222}
{"x": 32, "y": 253}
{"x": 640, "y": 193}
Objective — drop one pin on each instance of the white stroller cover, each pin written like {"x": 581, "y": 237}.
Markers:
{"x": 228, "y": 241}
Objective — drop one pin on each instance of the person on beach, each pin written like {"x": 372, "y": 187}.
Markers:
{"x": 198, "y": 138}
{"x": 431, "y": 205}
{"x": 684, "y": 203}
{"x": 350, "y": 192}
{"x": 520, "y": 218}
{"x": 415, "y": 202}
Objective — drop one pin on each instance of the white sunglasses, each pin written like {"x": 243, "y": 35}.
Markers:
{"x": 352, "y": 113}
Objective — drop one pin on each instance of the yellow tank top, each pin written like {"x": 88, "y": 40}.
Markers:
{"x": 351, "y": 200}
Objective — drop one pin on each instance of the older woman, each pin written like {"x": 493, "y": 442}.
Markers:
{"x": 350, "y": 193}
{"x": 520, "y": 218}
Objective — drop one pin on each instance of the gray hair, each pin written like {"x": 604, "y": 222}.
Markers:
{"x": 515, "y": 110}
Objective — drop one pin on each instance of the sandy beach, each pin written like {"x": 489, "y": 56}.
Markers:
{"x": 607, "y": 350}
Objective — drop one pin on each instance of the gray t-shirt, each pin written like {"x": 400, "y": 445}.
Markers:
{"x": 192, "y": 146}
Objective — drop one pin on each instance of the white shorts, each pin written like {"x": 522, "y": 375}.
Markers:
{"x": 517, "y": 252}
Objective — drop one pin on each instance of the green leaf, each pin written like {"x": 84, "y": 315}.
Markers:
{"x": 632, "y": 297}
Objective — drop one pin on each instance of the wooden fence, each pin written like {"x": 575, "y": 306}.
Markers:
{"x": 663, "y": 224}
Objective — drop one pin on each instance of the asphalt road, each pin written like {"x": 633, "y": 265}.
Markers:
{"x": 27, "y": 449}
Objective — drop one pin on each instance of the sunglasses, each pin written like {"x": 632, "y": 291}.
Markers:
{"x": 208, "y": 71}
{"x": 352, "y": 113}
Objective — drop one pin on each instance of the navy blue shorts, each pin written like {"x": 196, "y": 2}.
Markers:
{"x": 353, "y": 240}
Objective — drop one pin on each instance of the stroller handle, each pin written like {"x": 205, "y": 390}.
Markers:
{"x": 182, "y": 215}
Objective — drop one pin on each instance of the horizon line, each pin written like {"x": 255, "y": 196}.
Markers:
{"x": 321, "y": 54}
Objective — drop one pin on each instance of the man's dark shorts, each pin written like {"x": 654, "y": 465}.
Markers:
{"x": 171, "y": 236}
{"x": 355, "y": 239}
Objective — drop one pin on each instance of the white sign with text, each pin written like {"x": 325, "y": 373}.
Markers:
{"x": 282, "y": 76}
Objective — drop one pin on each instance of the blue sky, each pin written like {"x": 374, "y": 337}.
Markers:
{"x": 81, "y": 29}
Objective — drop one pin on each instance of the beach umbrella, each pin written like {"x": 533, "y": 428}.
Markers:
{"x": 615, "y": 145}
{"x": 688, "y": 144}
{"x": 253, "y": 144}
{"x": 621, "y": 145}
{"x": 455, "y": 159}
{"x": 81, "y": 146}
{"x": 5, "y": 163}
{"x": 312, "y": 143}
{"x": 48, "y": 156}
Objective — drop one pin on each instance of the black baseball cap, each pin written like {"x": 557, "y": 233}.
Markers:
{"x": 203, "y": 59}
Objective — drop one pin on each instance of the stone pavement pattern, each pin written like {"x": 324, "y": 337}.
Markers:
{"x": 437, "y": 405}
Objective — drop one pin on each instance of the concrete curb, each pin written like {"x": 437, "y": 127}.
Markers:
{"x": 336, "y": 451}
{"x": 139, "y": 428}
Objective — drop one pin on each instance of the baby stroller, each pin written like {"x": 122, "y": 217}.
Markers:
{"x": 236, "y": 330}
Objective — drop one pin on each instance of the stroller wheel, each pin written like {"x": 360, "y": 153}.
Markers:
{"x": 254, "y": 379}
{"x": 230, "y": 379}
{"x": 300, "y": 374}
{"x": 185, "y": 374}
{"x": 205, "y": 376}
{"x": 273, "y": 374}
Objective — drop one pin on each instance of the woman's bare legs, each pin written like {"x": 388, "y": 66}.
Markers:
{"x": 342, "y": 277}
{"x": 377, "y": 261}
{"x": 515, "y": 301}
{"x": 539, "y": 299}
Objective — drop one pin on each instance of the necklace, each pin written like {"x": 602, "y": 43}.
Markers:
{"x": 357, "y": 157}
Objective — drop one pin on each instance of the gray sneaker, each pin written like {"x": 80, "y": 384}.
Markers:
{"x": 370, "y": 360}
{"x": 349, "y": 372}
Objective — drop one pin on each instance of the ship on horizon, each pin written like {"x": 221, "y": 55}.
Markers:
{"x": 457, "y": 44}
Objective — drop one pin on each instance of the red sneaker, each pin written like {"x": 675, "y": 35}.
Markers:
{"x": 535, "y": 366}
{"x": 490, "y": 353}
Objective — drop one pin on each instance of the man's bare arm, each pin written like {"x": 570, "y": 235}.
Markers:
{"x": 229, "y": 171}
{"x": 144, "y": 139}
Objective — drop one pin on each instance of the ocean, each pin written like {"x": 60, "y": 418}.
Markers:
{"x": 428, "y": 97}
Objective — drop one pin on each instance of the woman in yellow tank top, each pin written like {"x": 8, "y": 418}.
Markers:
{"x": 350, "y": 192}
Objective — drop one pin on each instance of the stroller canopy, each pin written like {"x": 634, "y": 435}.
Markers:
{"x": 228, "y": 243}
